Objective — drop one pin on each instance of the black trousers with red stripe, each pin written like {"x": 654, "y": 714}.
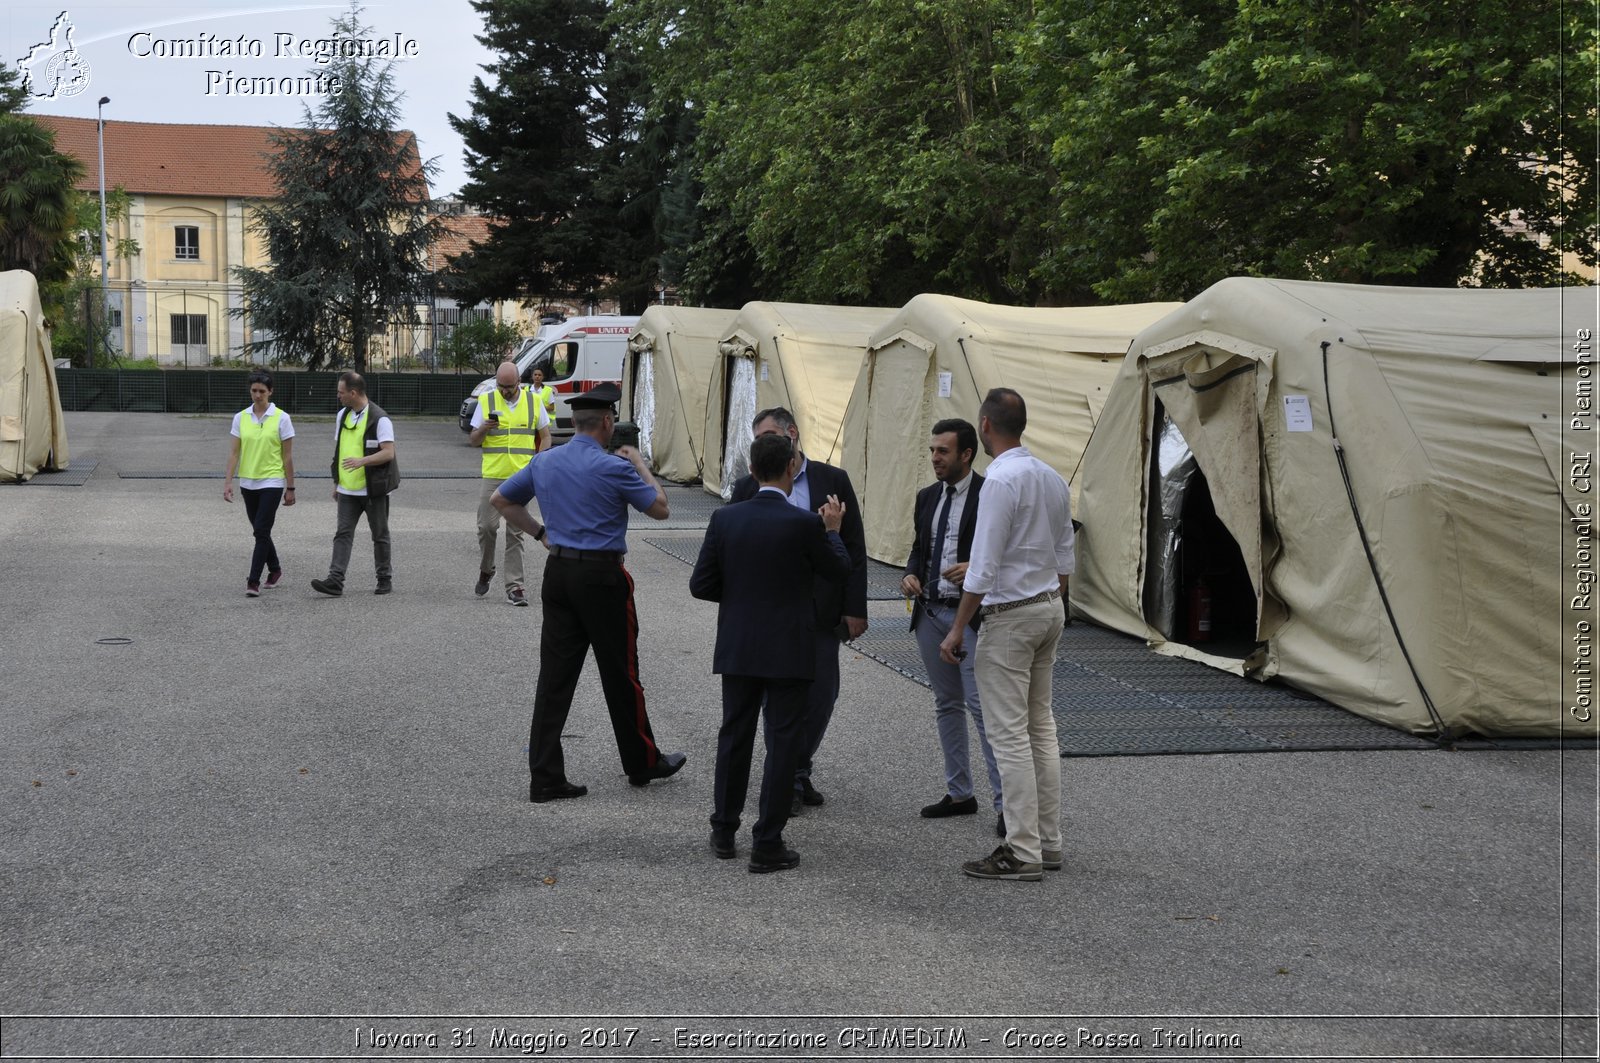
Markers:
{"x": 588, "y": 604}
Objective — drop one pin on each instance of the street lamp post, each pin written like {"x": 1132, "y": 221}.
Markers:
{"x": 105, "y": 309}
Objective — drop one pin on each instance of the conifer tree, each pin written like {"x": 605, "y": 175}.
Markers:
{"x": 347, "y": 237}
{"x": 559, "y": 152}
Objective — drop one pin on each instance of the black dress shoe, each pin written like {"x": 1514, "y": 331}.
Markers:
{"x": 384, "y": 588}
{"x": 763, "y": 861}
{"x": 808, "y": 793}
{"x": 722, "y": 845}
{"x": 949, "y": 806}
{"x": 328, "y": 587}
{"x": 667, "y": 764}
{"x": 540, "y": 794}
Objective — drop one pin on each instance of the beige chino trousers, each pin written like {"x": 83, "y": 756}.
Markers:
{"x": 1015, "y": 659}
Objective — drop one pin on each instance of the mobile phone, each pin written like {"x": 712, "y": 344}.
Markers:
{"x": 494, "y": 415}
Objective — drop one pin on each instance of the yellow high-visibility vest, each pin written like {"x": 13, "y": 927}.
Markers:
{"x": 260, "y": 449}
{"x": 352, "y": 444}
{"x": 511, "y": 443}
{"x": 547, "y": 399}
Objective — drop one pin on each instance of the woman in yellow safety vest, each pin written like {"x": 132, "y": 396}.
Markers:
{"x": 263, "y": 456}
{"x": 544, "y": 394}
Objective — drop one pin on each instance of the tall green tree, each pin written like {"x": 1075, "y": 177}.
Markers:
{"x": 1374, "y": 142}
{"x": 12, "y": 95}
{"x": 348, "y": 234}
{"x": 559, "y": 153}
{"x": 864, "y": 151}
{"x": 37, "y": 201}
{"x": 81, "y": 332}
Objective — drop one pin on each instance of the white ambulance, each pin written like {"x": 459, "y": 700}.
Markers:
{"x": 575, "y": 355}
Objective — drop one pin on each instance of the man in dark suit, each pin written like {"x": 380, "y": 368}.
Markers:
{"x": 759, "y": 560}
{"x": 841, "y": 609}
{"x": 945, "y": 516}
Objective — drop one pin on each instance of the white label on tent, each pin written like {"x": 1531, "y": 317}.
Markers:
{"x": 1297, "y": 413}
{"x": 944, "y": 385}
{"x": 764, "y": 375}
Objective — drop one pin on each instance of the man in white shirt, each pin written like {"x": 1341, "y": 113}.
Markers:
{"x": 1022, "y": 554}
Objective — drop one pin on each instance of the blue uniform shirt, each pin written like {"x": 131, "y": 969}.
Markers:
{"x": 584, "y": 494}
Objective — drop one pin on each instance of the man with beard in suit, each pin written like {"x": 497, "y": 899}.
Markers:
{"x": 946, "y": 515}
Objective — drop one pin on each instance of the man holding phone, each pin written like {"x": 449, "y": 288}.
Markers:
{"x": 511, "y": 426}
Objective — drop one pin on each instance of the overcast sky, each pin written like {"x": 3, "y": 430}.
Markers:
{"x": 123, "y": 46}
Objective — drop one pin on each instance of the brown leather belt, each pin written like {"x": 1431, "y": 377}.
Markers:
{"x": 1042, "y": 596}
{"x": 567, "y": 553}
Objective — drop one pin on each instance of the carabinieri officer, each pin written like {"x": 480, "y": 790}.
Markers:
{"x": 586, "y": 592}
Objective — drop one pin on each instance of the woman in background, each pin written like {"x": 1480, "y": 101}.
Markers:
{"x": 263, "y": 455}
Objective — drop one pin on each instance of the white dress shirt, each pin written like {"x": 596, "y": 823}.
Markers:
{"x": 952, "y": 534}
{"x": 1023, "y": 541}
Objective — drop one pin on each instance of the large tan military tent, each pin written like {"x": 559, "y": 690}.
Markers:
{"x": 33, "y": 431}
{"x": 1359, "y": 490}
{"x": 665, "y": 380}
{"x": 801, "y": 356}
{"x": 939, "y": 356}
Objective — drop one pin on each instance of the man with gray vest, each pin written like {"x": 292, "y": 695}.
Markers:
{"x": 511, "y": 425}
{"x": 364, "y": 473}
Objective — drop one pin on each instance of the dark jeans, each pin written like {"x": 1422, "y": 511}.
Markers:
{"x": 588, "y": 604}
{"x": 350, "y": 509}
{"x": 261, "y": 509}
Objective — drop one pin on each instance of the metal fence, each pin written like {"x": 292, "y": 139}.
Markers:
{"x": 195, "y": 326}
{"x": 226, "y": 391}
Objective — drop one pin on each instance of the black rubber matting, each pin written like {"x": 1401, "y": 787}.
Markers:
{"x": 690, "y": 508}
{"x": 1115, "y": 697}
{"x": 76, "y": 474}
{"x": 883, "y": 581}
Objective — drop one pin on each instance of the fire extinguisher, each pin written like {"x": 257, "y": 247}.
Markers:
{"x": 1200, "y": 611}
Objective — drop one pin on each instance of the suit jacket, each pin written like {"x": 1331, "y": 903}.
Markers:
{"x": 834, "y": 601}
{"x": 759, "y": 560}
{"x": 929, "y": 499}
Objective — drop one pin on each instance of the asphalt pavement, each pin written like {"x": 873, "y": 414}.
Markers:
{"x": 296, "y": 827}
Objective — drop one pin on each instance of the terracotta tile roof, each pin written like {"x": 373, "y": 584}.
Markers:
{"x": 180, "y": 160}
{"x": 461, "y": 231}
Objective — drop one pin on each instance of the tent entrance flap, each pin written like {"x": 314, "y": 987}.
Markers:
{"x": 739, "y": 409}
{"x": 1197, "y": 588}
{"x": 643, "y": 405}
